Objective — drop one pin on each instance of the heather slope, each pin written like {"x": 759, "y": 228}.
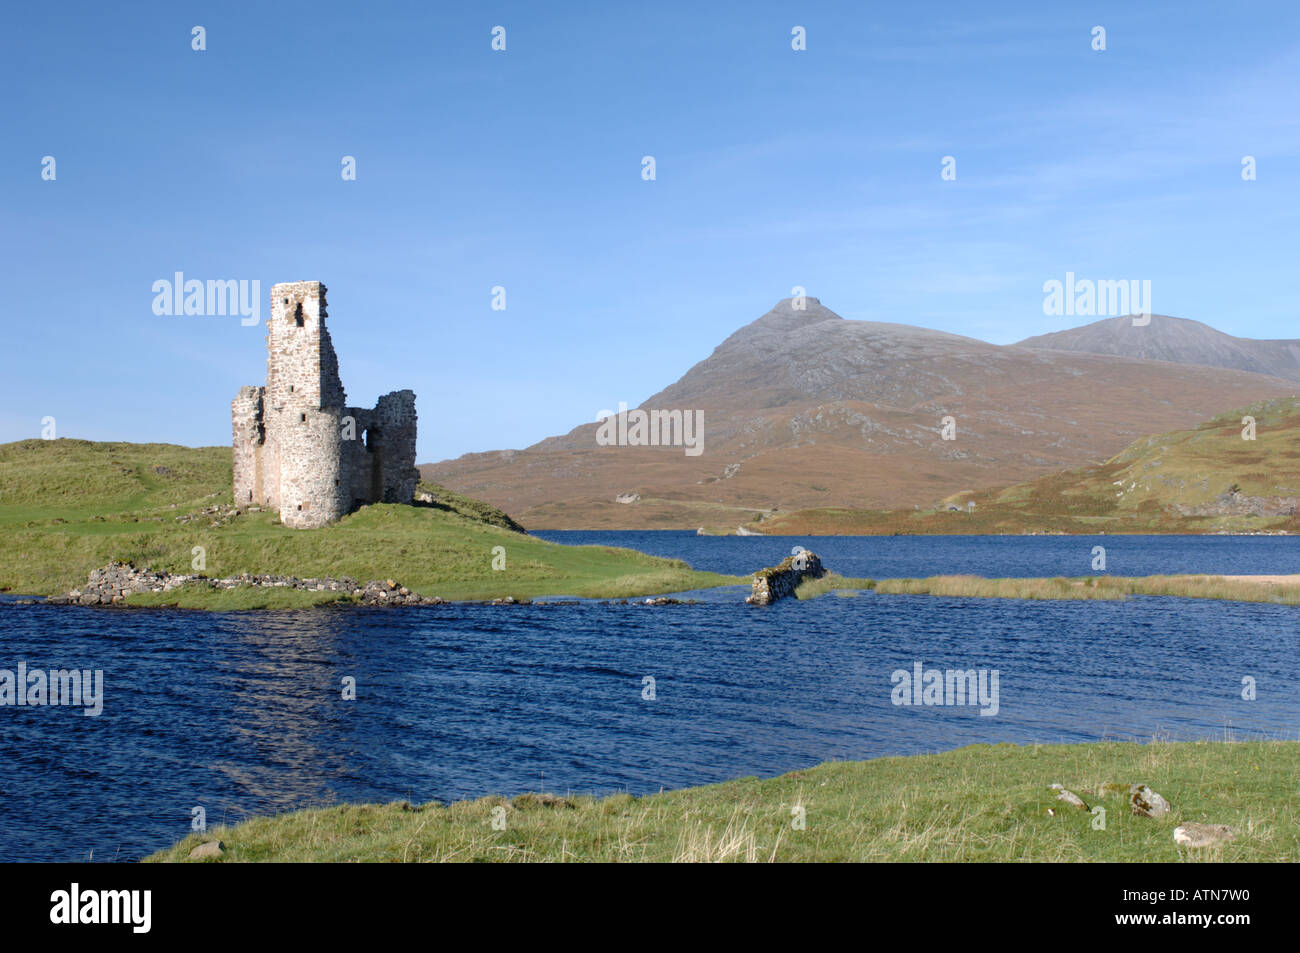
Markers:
{"x": 1202, "y": 479}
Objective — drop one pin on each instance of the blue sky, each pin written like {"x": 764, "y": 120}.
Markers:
{"x": 522, "y": 168}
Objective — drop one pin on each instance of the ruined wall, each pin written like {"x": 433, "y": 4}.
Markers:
{"x": 395, "y": 419}
{"x": 356, "y": 460}
{"x": 249, "y": 442}
{"x": 780, "y": 581}
{"x": 297, "y": 447}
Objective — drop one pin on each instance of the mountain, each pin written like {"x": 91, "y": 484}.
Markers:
{"x": 1177, "y": 340}
{"x": 803, "y": 408}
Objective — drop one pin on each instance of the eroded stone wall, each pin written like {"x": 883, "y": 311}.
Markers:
{"x": 395, "y": 419}
{"x": 780, "y": 581}
{"x": 249, "y": 443}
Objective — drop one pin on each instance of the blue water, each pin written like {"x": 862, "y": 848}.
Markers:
{"x": 902, "y": 557}
{"x": 241, "y": 713}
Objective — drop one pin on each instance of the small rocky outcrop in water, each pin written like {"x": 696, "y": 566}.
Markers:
{"x": 780, "y": 581}
{"x": 111, "y": 585}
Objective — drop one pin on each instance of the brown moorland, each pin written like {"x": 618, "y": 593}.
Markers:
{"x": 804, "y": 409}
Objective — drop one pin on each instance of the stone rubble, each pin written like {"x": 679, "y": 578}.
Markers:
{"x": 1143, "y": 801}
{"x": 656, "y": 601}
{"x": 217, "y": 515}
{"x": 111, "y": 585}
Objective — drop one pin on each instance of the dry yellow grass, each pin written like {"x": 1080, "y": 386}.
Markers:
{"x": 1282, "y": 590}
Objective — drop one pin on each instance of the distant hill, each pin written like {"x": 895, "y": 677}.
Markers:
{"x": 1203, "y": 479}
{"x": 1179, "y": 341}
{"x": 803, "y": 408}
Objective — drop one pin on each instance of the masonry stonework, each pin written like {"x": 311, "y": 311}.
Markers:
{"x": 298, "y": 447}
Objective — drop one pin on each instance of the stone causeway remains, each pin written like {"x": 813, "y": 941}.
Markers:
{"x": 780, "y": 581}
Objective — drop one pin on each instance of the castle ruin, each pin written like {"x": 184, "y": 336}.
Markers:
{"x": 298, "y": 447}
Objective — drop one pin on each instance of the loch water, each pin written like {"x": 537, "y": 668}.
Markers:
{"x": 242, "y": 713}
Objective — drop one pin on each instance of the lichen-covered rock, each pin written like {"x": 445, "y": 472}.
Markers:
{"x": 1146, "y": 802}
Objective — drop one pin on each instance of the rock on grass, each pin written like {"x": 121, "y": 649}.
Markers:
{"x": 1146, "y": 802}
{"x": 1192, "y": 834}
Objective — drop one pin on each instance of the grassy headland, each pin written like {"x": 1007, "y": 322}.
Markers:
{"x": 1204, "y": 480}
{"x": 979, "y": 803}
{"x": 70, "y": 506}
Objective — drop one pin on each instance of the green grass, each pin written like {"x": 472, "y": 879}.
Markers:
{"x": 453, "y": 502}
{"x": 979, "y": 803}
{"x": 70, "y": 506}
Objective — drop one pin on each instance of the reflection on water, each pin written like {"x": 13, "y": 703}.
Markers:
{"x": 242, "y": 713}
{"x": 281, "y": 690}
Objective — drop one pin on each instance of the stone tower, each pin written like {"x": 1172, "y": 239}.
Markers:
{"x": 298, "y": 447}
